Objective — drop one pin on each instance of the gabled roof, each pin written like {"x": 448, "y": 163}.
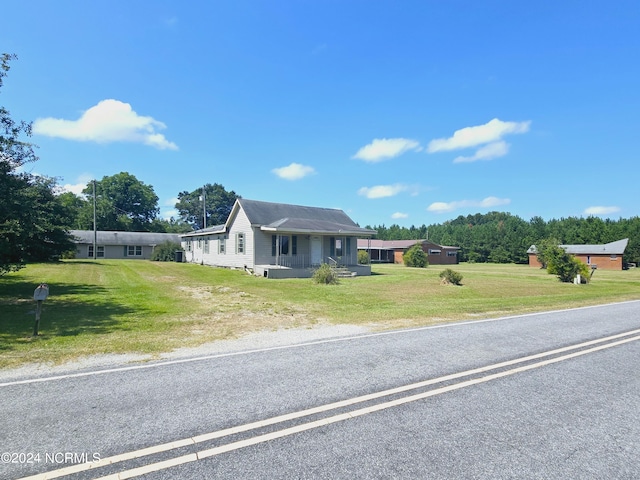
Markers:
{"x": 277, "y": 215}
{"x": 282, "y": 217}
{"x": 124, "y": 238}
{"x": 612, "y": 248}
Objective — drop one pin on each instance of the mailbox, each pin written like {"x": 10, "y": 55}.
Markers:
{"x": 41, "y": 293}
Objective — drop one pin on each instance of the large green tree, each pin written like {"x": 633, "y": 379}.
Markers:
{"x": 122, "y": 203}
{"x": 33, "y": 221}
{"x": 218, "y": 205}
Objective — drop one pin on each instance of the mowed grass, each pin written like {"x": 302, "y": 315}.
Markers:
{"x": 124, "y": 306}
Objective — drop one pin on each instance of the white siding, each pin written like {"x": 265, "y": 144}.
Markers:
{"x": 262, "y": 242}
{"x": 230, "y": 258}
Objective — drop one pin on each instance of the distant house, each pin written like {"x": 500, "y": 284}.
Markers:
{"x": 277, "y": 240}
{"x": 130, "y": 245}
{"x": 608, "y": 256}
{"x": 392, "y": 251}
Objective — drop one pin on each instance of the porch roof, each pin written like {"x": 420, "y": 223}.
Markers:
{"x": 314, "y": 226}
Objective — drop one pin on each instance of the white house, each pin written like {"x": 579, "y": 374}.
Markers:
{"x": 277, "y": 240}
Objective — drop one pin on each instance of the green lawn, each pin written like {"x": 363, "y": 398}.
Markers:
{"x": 125, "y": 306}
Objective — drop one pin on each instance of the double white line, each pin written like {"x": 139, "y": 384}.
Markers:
{"x": 557, "y": 355}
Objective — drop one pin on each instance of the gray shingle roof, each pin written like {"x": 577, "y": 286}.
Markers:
{"x": 124, "y": 238}
{"x": 265, "y": 213}
{"x": 284, "y": 217}
{"x": 612, "y": 248}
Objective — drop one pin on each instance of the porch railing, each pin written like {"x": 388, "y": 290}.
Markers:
{"x": 304, "y": 261}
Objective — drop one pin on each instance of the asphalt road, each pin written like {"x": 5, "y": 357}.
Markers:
{"x": 554, "y": 395}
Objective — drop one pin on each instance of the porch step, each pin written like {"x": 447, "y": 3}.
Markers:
{"x": 344, "y": 272}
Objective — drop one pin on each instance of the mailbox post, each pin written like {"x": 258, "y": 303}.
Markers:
{"x": 39, "y": 295}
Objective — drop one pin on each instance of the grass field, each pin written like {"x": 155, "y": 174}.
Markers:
{"x": 124, "y": 306}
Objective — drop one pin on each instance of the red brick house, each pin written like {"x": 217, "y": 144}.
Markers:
{"x": 606, "y": 257}
{"x": 392, "y": 251}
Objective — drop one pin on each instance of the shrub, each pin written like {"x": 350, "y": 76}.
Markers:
{"x": 415, "y": 257}
{"x": 363, "y": 257}
{"x": 452, "y": 277}
{"x": 165, "y": 252}
{"x": 325, "y": 275}
{"x": 565, "y": 266}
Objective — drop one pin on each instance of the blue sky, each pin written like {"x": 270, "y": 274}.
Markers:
{"x": 407, "y": 112}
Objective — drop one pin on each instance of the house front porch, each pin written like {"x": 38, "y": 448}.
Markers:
{"x": 295, "y": 254}
{"x": 279, "y": 271}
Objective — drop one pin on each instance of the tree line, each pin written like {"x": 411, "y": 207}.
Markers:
{"x": 500, "y": 237}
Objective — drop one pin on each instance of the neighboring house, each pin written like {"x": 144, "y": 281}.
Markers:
{"x": 608, "y": 256}
{"x": 277, "y": 240}
{"x": 131, "y": 245}
{"x": 392, "y": 251}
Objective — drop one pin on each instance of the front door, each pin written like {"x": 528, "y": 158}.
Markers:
{"x": 316, "y": 250}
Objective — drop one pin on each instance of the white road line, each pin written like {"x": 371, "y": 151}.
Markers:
{"x": 297, "y": 345}
{"x": 154, "y": 467}
{"x": 336, "y": 405}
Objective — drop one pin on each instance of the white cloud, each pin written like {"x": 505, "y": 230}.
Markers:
{"x": 601, "y": 210}
{"x": 490, "y": 132}
{"x": 489, "y": 202}
{"x": 295, "y": 171}
{"x": 384, "y": 148}
{"x": 488, "y": 152}
{"x": 82, "y": 182}
{"x": 108, "y": 121}
{"x": 400, "y": 215}
{"x": 381, "y": 191}
{"x": 171, "y": 202}
{"x": 168, "y": 214}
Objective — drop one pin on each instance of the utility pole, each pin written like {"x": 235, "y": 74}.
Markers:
{"x": 95, "y": 228}
{"x": 204, "y": 208}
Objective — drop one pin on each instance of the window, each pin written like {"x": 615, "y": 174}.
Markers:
{"x": 221, "y": 245}
{"x": 338, "y": 247}
{"x": 240, "y": 243}
{"x": 100, "y": 251}
{"x": 348, "y": 240}
{"x": 284, "y": 244}
{"x": 133, "y": 250}
{"x": 206, "y": 245}
{"x": 188, "y": 246}
{"x": 433, "y": 251}
{"x": 294, "y": 245}
{"x": 452, "y": 254}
